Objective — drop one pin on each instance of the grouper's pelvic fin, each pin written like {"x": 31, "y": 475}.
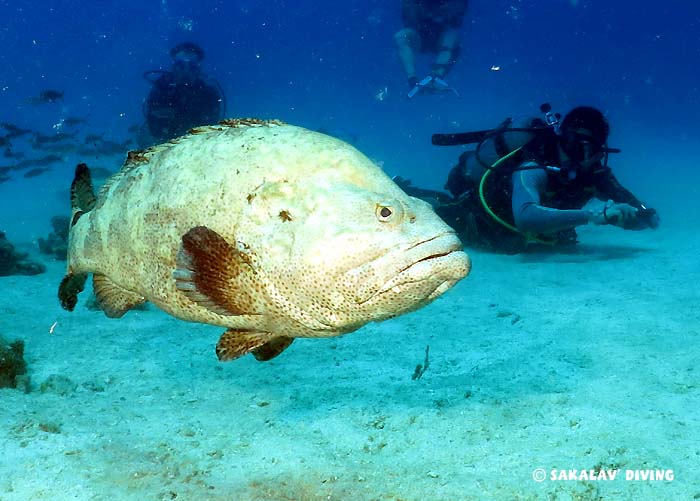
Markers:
{"x": 82, "y": 200}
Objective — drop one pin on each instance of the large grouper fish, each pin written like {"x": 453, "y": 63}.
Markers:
{"x": 270, "y": 230}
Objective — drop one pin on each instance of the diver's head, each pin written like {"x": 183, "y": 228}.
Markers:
{"x": 187, "y": 59}
{"x": 584, "y": 132}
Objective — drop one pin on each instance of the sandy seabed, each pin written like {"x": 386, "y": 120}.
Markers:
{"x": 586, "y": 361}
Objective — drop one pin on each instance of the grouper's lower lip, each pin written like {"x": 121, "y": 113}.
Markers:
{"x": 450, "y": 266}
{"x": 426, "y": 264}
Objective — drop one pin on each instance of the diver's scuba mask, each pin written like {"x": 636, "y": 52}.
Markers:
{"x": 186, "y": 70}
{"x": 583, "y": 153}
{"x": 186, "y": 64}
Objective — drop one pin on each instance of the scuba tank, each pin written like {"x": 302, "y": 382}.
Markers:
{"x": 495, "y": 147}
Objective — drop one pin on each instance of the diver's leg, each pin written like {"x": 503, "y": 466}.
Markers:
{"x": 447, "y": 52}
{"x": 407, "y": 43}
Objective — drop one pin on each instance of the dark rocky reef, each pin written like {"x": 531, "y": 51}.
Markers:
{"x": 13, "y": 368}
{"x": 16, "y": 263}
{"x": 56, "y": 243}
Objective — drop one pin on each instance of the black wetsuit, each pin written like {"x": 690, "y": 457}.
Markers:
{"x": 525, "y": 199}
{"x": 431, "y": 18}
{"x": 173, "y": 108}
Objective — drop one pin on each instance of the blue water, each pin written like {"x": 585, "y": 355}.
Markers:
{"x": 320, "y": 64}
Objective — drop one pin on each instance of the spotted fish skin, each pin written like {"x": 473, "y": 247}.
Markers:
{"x": 270, "y": 230}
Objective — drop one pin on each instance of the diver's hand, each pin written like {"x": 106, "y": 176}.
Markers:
{"x": 597, "y": 216}
{"x": 622, "y": 215}
{"x": 611, "y": 213}
{"x": 646, "y": 218}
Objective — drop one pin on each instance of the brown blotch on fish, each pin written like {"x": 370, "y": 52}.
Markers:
{"x": 215, "y": 274}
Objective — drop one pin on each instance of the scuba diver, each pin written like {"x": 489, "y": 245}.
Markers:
{"x": 183, "y": 97}
{"x": 531, "y": 183}
{"x": 430, "y": 26}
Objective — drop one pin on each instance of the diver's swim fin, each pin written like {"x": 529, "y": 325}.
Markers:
{"x": 431, "y": 83}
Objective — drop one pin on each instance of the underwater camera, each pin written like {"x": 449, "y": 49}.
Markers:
{"x": 647, "y": 216}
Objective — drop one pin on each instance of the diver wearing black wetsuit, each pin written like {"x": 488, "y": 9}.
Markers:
{"x": 542, "y": 199}
{"x": 182, "y": 98}
{"x": 430, "y": 26}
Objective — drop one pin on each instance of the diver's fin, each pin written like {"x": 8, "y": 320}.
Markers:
{"x": 235, "y": 343}
{"x": 113, "y": 299}
{"x": 272, "y": 348}
{"x": 82, "y": 194}
{"x": 215, "y": 274}
{"x": 71, "y": 286}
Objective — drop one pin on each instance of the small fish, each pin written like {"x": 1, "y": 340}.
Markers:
{"x": 29, "y": 162}
{"x": 13, "y": 154}
{"x": 106, "y": 147}
{"x": 272, "y": 231}
{"x": 93, "y": 138}
{"x": 38, "y": 171}
{"x": 40, "y": 139}
{"x": 62, "y": 148}
{"x": 48, "y": 159}
{"x": 382, "y": 94}
{"x": 47, "y": 96}
{"x": 13, "y": 130}
{"x": 73, "y": 121}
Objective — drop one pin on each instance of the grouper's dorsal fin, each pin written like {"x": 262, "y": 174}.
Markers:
{"x": 82, "y": 194}
{"x": 249, "y": 122}
{"x": 215, "y": 274}
{"x": 113, "y": 299}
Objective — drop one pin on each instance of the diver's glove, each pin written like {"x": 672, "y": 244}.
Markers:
{"x": 431, "y": 83}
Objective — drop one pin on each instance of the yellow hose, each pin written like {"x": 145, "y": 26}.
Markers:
{"x": 528, "y": 237}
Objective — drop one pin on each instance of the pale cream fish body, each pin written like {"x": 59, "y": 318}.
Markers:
{"x": 270, "y": 230}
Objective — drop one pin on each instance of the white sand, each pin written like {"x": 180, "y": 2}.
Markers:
{"x": 551, "y": 361}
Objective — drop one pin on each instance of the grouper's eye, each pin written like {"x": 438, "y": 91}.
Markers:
{"x": 387, "y": 213}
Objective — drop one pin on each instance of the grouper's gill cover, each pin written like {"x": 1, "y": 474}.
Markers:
{"x": 270, "y": 230}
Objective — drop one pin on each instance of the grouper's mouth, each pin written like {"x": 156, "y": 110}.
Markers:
{"x": 425, "y": 270}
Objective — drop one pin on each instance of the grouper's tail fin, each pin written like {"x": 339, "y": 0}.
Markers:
{"x": 82, "y": 200}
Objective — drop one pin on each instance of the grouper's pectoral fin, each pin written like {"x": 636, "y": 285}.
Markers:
{"x": 264, "y": 346}
{"x": 114, "y": 300}
{"x": 215, "y": 274}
